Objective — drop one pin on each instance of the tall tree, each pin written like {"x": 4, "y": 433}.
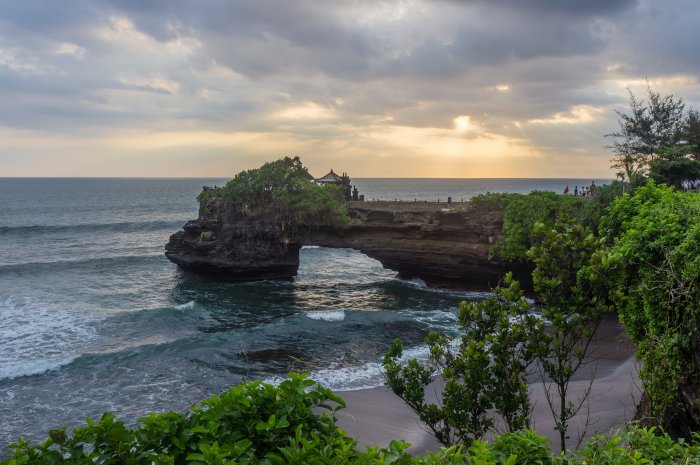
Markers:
{"x": 652, "y": 125}
{"x": 692, "y": 132}
{"x": 569, "y": 281}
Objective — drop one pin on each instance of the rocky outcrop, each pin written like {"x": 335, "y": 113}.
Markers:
{"x": 444, "y": 247}
{"x": 230, "y": 244}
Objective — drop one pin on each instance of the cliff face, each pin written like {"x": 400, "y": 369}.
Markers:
{"x": 444, "y": 247}
{"x": 229, "y": 244}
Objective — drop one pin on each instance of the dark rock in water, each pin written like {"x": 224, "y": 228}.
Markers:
{"x": 443, "y": 247}
{"x": 227, "y": 244}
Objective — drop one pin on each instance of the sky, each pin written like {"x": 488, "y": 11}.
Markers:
{"x": 405, "y": 88}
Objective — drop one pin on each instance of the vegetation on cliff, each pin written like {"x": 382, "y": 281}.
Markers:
{"x": 284, "y": 191}
{"x": 522, "y": 212}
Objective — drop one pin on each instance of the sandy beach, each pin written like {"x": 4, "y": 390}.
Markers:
{"x": 376, "y": 416}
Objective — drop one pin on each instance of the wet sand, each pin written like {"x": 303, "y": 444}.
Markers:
{"x": 376, "y": 416}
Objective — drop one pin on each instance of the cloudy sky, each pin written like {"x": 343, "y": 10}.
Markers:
{"x": 441, "y": 88}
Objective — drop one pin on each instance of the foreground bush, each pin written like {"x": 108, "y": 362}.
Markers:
{"x": 655, "y": 236}
{"x": 293, "y": 423}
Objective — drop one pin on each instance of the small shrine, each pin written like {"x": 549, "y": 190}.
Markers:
{"x": 330, "y": 178}
{"x": 349, "y": 192}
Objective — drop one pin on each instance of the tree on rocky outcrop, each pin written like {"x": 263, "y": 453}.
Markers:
{"x": 283, "y": 191}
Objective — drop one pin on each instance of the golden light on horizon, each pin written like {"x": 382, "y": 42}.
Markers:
{"x": 463, "y": 123}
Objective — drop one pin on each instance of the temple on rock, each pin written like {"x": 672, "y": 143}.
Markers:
{"x": 330, "y": 178}
{"x": 349, "y": 192}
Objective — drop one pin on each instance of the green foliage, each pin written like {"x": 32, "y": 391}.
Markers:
{"x": 675, "y": 165}
{"x": 488, "y": 370}
{"x": 637, "y": 446}
{"x": 596, "y": 207}
{"x": 569, "y": 280}
{"x": 526, "y": 446}
{"x": 251, "y": 423}
{"x": 655, "y": 235}
{"x": 652, "y": 125}
{"x": 284, "y": 191}
{"x": 256, "y": 423}
{"x": 521, "y": 214}
{"x": 493, "y": 201}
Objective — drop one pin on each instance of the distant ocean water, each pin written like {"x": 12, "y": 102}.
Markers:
{"x": 95, "y": 318}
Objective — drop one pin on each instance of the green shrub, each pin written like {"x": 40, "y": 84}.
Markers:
{"x": 492, "y": 201}
{"x": 282, "y": 191}
{"x": 251, "y": 423}
{"x": 655, "y": 235}
{"x": 637, "y": 446}
{"x": 521, "y": 214}
{"x": 526, "y": 446}
{"x": 484, "y": 377}
{"x": 256, "y": 423}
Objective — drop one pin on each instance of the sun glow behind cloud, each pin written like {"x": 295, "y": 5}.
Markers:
{"x": 391, "y": 88}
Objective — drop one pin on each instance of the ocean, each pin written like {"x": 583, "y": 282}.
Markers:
{"x": 95, "y": 318}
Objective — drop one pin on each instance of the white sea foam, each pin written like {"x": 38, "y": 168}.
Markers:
{"x": 420, "y": 284}
{"x": 310, "y": 247}
{"x": 187, "y": 306}
{"x": 334, "y": 315}
{"x": 366, "y": 376}
{"x": 36, "y": 337}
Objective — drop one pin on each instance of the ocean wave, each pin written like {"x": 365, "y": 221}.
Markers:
{"x": 418, "y": 283}
{"x": 117, "y": 259}
{"x": 186, "y": 306}
{"x": 340, "y": 377}
{"x": 126, "y": 226}
{"x": 18, "y": 369}
{"x": 38, "y": 336}
{"x": 333, "y": 315}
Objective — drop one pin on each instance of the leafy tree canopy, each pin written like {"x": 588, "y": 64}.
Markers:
{"x": 657, "y": 137}
{"x": 285, "y": 192}
{"x": 522, "y": 212}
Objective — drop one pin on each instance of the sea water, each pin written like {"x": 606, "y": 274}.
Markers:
{"x": 94, "y": 318}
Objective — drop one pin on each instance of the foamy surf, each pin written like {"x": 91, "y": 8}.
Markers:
{"x": 334, "y": 315}
{"x": 339, "y": 377}
{"x": 37, "y": 337}
{"x": 11, "y": 370}
{"x": 186, "y": 306}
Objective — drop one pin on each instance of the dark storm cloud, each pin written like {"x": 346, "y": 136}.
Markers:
{"x": 573, "y": 8}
